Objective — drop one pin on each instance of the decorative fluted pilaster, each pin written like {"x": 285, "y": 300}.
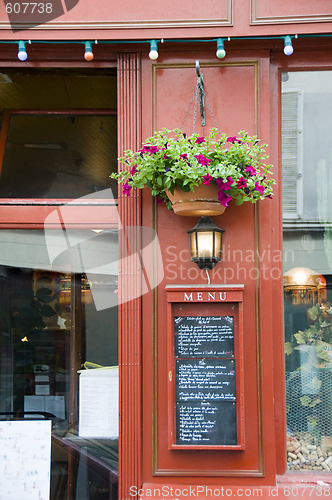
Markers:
{"x": 129, "y": 137}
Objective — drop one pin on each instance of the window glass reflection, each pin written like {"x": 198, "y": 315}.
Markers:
{"x": 59, "y": 357}
{"x": 307, "y": 223}
{"x": 57, "y": 155}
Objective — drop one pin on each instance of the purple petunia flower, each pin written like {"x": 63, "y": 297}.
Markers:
{"x": 199, "y": 140}
{"x": 259, "y": 188}
{"x": 202, "y": 160}
{"x": 250, "y": 170}
{"x": 134, "y": 170}
{"x": 126, "y": 188}
{"x": 224, "y": 185}
{"x": 149, "y": 149}
{"x": 207, "y": 179}
{"x": 223, "y": 198}
{"x": 184, "y": 156}
{"x": 241, "y": 183}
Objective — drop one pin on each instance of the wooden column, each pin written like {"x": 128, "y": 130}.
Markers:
{"x": 129, "y": 137}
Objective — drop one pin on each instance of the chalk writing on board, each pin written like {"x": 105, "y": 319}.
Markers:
{"x": 206, "y": 423}
{"x": 202, "y": 380}
{"x": 197, "y": 336}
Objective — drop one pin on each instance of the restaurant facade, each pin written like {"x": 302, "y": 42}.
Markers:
{"x": 127, "y": 369}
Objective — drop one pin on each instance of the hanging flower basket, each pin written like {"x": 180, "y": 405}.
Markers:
{"x": 202, "y": 201}
{"x": 169, "y": 161}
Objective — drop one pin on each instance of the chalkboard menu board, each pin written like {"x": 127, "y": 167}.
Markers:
{"x": 205, "y": 380}
{"x": 200, "y": 336}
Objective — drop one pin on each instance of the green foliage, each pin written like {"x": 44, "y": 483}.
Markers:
{"x": 316, "y": 340}
{"x": 169, "y": 159}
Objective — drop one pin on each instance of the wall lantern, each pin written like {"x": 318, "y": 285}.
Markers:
{"x": 206, "y": 243}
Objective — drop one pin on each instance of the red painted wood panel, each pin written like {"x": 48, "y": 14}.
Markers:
{"x": 298, "y": 11}
{"x": 127, "y": 14}
{"x": 238, "y": 91}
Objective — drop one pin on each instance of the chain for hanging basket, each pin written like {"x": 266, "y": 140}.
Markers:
{"x": 199, "y": 91}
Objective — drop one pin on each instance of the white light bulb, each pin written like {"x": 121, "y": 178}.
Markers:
{"x": 22, "y": 55}
{"x": 153, "y": 54}
{"x": 288, "y": 47}
{"x": 221, "y": 53}
{"x": 288, "y": 50}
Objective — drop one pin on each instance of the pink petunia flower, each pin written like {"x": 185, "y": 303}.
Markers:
{"x": 133, "y": 170}
{"x": 184, "y": 156}
{"x": 199, "y": 140}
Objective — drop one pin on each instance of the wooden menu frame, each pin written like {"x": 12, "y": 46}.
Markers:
{"x": 219, "y": 302}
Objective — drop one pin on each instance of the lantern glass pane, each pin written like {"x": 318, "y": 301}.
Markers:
{"x": 193, "y": 246}
{"x": 205, "y": 244}
{"x": 217, "y": 245}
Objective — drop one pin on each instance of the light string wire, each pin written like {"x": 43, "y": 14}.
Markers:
{"x": 171, "y": 40}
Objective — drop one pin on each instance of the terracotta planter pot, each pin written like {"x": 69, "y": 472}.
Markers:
{"x": 202, "y": 201}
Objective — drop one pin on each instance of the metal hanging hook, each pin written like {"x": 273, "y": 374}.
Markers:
{"x": 200, "y": 86}
{"x": 198, "y": 72}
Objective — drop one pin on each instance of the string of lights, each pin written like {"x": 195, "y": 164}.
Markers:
{"x": 153, "y": 53}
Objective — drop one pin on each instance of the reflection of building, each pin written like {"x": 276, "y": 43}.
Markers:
{"x": 304, "y": 286}
{"x": 66, "y": 118}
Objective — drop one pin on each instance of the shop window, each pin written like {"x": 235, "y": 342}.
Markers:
{"x": 57, "y": 154}
{"x": 307, "y": 230}
{"x": 59, "y": 356}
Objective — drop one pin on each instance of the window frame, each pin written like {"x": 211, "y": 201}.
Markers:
{"x": 21, "y": 213}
